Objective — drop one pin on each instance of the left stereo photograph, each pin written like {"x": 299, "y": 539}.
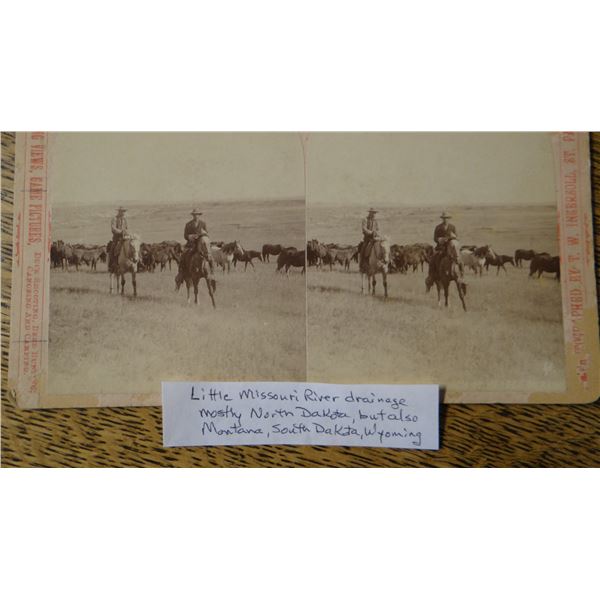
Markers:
{"x": 148, "y": 257}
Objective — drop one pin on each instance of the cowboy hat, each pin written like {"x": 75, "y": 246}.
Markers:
{"x": 445, "y": 215}
{"x": 372, "y": 210}
{"x": 121, "y": 209}
{"x": 196, "y": 211}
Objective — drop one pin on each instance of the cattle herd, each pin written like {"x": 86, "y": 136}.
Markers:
{"x": 403, "y": 258}
{"x": 412, "y": 257}
{"x": 161, "y": 255}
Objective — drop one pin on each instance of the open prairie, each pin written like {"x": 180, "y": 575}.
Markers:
{"x": 108, "y": 344}
{"x": 510, "y": 339}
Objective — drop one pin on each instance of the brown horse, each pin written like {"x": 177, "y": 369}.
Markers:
{"x": 377, "y": 261}
{"x": 195, "y": 268}
{"x": 126, "y": 262}
{"x": 449, "y": 269}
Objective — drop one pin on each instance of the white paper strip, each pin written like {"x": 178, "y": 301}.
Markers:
{"x": 250, "y": 413}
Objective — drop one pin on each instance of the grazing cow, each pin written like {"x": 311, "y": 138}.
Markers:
{"x": 521, "y": 255}
{"x": 541, "y": 263}
{"x": 223, "y": 257}
{"x": 472, "y": 261}
{"x": 147, "y": 262}
{"x": 317, "y": 254}
{"x": 69, "y": 257}
{"x": 271, "y": 250}
{"x": 396, "y": 258}
{"x": 55, "y": 255}
{"x": 246, "y": 257}
{"x": 91, "y": 256}
{"x": 174, "y": 251}
{"x": 290, "y": 257}
{"x": 426, "y": 252}
{"x": 161, "y": 256}
{"x": 312, "y": 254}
{"x": 413, "y": 257}
{"x": 343, "y": 256}
{"x": 498, "y": 260}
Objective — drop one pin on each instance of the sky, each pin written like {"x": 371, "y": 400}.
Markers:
{"x": 159, "y": 168}
{"x": 354, "y": 169}
{"x": 430, "y": 169}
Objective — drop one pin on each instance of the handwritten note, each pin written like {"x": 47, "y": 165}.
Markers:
{"x": 249, "y": 413}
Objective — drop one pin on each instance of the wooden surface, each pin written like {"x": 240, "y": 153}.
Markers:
{"x": 472, "y": 435}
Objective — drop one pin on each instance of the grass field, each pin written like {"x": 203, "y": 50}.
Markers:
{"x": 511, "y": 338}
{"x": 108, "y": 344}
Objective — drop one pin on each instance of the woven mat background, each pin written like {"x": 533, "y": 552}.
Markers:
{"x": 472, "y": 435}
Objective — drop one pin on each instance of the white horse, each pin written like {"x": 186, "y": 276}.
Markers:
{"x": 377, "y": 261}
{"x": 126, "y": 262}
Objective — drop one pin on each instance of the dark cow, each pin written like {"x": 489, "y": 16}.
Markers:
{"x": 247, "y": 256}
{"x": 69, "y": 257}
{"x": 343, "y": 256}
{"x": 498, "y": 260}
{"x": 426, "y": 252}
{"x": 317, "y": 254}
{"x": 413, "y": 256}
{"x": 521, "y": 255}
{"x": 174, "y": 251}
{"x": 55, "y": 254}
{"x": 271, "y": 250}
{"x": 290, "y": 257}
{"x": 147, "y": 262}
{"x": 541, "y": 263}
{"x": 91, "y": 256}
{"x": 396, "y": 258}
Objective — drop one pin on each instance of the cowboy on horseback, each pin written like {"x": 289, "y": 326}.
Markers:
{"x": 442, "y": 234}
{"x": 196, "y": 236}
{"x": 118, "y": 226}
{"x": 370, "y": 230}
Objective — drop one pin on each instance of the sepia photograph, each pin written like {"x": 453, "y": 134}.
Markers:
{"x": 455, "y": 259}
{"x": 434, "y": 258}
{"x": 174, "y": 257}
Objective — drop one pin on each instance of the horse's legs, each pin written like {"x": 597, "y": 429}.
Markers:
{"x": 438, "y": 285}
{"x": 446, "y": 290}
{"x": 209, "y": 285}
{"x": 362, "y": 283}
{"x": 187, "y": 285}
{"x": 122, "y": 283}
{"x": 195, "y": 291}
{"x": 460, "y": 294}
{"x": 385, "y": 293}
{"x": 110, "y": 282}
{"x": 134, "y": 283}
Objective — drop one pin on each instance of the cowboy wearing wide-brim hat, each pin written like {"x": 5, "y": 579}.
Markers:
{"x": 442, "y": 234}
{"x": 444, "y": 231}
{"x": 196, "y": 236}
{"x": 118, "y": 226}
{"x": 370, "y": 231}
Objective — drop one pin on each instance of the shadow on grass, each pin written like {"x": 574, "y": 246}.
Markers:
{"x": 126, "y": 296}
{"x": 377, "y": 297}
